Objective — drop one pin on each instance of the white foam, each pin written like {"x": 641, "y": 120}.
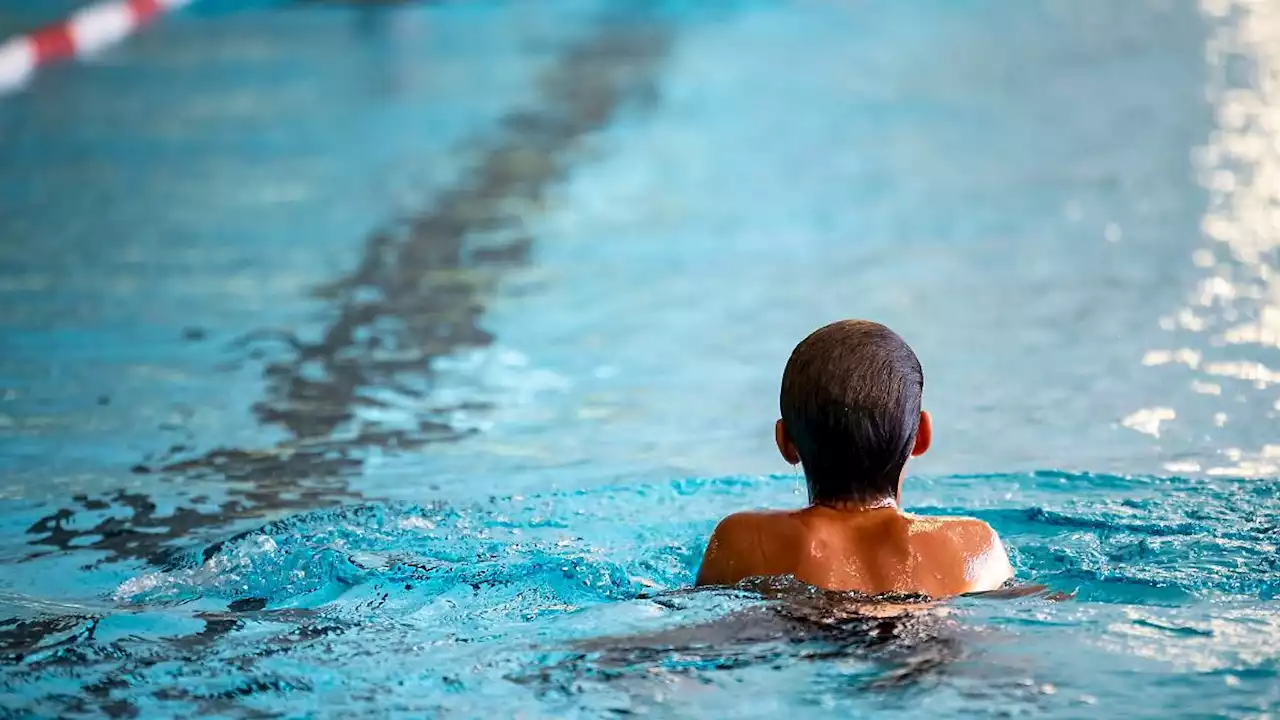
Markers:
{"x": 414, "y": 522}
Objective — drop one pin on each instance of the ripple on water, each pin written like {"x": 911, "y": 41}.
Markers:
{"x": 576, "y": 602}
{"x": 1154, "y": 540}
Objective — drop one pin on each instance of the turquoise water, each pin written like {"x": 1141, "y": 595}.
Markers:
{"x": 569, "y": 604}
{"x": 399, "y": 361}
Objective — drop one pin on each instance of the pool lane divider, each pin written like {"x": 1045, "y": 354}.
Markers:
{"x": 89, "y": 30}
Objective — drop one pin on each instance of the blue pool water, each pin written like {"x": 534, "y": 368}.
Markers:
{"x": 399, "y": 361}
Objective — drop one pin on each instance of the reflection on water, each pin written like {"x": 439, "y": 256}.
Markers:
{"x": 848, "y": 646}
{"x": 610, "y": 287}
{"x": 1236, "y": 304}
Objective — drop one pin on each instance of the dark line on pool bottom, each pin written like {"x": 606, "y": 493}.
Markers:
{"x": 418, "y": 294}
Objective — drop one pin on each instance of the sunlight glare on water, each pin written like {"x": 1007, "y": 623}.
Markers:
{"x": 1235, "y": 306}
{"x": 399, "y": 361}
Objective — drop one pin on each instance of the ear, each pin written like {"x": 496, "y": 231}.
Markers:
{"x": 924, "y": 435}
{"x": 785, "y": 446}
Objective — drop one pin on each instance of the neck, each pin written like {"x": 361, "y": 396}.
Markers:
{"x": 856, "y": 505}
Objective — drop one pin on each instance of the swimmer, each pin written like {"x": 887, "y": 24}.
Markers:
{"x": 851, "y": 417}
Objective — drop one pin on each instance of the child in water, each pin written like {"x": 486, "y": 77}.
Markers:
{"x": 851, "y": 417}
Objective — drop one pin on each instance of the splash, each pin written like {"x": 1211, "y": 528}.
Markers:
{"x": 1175, "y": 537}
{"x": 571, "y": 602}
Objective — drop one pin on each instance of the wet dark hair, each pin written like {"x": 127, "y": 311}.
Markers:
{"x": 851, "y": 405}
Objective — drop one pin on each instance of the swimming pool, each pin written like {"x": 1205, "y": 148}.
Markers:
{"x": 398, "y": 362}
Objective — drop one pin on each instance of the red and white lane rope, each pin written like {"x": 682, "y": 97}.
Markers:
{"x": 86, "y": 32}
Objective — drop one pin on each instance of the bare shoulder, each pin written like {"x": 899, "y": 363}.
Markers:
{"x": 742, "y": 546}
{"x": 970, "y": 536}
{"x": 743, "y": 529}
{"x": 956, "y": 526}
{"x": 959, "y": 527}
{"x": 749, "y": 519}
{"x": 986, "y": 560}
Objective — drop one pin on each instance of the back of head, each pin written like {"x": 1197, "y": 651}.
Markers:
{"x": 851, "y": 406}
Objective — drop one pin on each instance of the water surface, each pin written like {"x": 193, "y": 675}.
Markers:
{"x": 400, "y": 361}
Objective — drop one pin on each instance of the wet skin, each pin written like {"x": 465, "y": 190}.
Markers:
{"x": 870, "y": 548}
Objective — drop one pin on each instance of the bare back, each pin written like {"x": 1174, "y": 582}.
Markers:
{"x": 872, "y": 551}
